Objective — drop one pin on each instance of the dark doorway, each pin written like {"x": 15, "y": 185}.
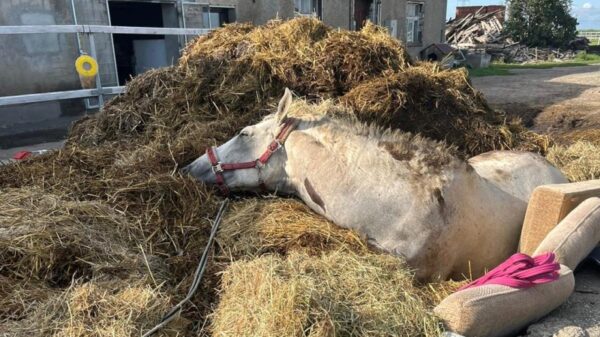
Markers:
{"x": 362, "y": 12}
{"x": 136, "y": 54}
{"x": 215, "y": 17}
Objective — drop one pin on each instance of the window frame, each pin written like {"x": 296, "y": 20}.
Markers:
{"x": 417, "y": 21}
{"x": 316, "y": 8}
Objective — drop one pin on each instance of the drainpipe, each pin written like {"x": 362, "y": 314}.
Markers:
{"x": 75, "y": 21}
{"x": 112, "y": 44}
{"x": 351, "y": 15}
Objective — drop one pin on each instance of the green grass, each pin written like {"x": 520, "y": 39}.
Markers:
{"x": 503, "y": 69}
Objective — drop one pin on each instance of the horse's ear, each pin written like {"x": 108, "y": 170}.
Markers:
{"x": 284, "y": 105}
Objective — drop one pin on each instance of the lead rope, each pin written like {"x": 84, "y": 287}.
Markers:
{"x": 197, "y": 275}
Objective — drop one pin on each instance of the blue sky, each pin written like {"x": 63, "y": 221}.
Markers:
{"x": 587, "y": 12}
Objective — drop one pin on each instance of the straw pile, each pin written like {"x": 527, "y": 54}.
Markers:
{"x": 578, "y": 161}
{"x": 335, "y": 294}
{"x": 101, "y": 238}
{"x": 227, "y": 79}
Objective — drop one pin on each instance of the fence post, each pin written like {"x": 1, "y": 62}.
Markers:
{"x": 98, "y": 82}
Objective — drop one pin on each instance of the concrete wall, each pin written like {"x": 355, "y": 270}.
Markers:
{"x": 336, "y": 13}
{"x": 37, "y": 62}
{"x": 433, "y": 27}
{"x": 260, "y": 11}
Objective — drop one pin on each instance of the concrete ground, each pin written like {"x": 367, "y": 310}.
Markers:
{"x": 560, "y": 102}
{"x": 6, "y": 155}
{"x": 580, "y": 315}
{"x": 557, "y": 101}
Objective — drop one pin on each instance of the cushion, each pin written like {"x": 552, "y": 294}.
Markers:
{"x": 495, "y": 310}
{"x": 549, "y": 204}
{"x": 575, "y": 236}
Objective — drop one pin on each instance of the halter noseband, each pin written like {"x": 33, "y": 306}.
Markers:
{"x": 219, "y": 168}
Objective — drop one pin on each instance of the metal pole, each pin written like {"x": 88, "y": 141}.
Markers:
{"x": 112, "y": 44}
{"x": 209, "y": 21}
{"x": 75, "y": 22}
{"x": 185, "y": 38}
{"x": 98, "y": 81}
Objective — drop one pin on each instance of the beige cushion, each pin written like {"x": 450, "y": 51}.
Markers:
{"x": 548, "y": 205}
{"x": 576, "y": 235}
{"x": 496, "y": 310}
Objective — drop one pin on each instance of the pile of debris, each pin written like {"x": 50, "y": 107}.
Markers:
{"x": 518, "y": 53}
{"x": 476, "y": 28}
{"x": 483, "y": 32}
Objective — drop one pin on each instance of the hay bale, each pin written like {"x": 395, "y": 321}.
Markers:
{"x": 579, "y": 161}
{"x": 335, "y": 294}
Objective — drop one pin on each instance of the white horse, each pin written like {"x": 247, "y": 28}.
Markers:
{"x": 406, "y": 194}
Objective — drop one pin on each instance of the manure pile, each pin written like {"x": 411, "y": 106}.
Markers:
{"x": 102, "y": 237}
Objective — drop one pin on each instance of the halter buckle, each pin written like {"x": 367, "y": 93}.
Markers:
{"x": 277, "y": 144}
{"x": 217, "y": 168}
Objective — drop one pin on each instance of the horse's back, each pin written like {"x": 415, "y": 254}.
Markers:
{"x": 515, "y": 172}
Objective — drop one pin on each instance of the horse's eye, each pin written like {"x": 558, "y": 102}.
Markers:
{"x": 244, "y": 133}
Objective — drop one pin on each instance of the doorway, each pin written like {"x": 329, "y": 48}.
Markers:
{"x": 363, "y": 11}
{"x": 136, "y": 54}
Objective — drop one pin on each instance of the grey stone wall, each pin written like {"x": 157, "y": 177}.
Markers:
{"x": 260, "y": 11}
{"x": 336, "y": 13}
{"x": 36, "y": 62}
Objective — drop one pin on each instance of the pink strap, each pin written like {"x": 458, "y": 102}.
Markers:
{"x": 521, "y": 271}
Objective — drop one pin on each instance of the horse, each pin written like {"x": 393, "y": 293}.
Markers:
{"x": 405, "y": 194}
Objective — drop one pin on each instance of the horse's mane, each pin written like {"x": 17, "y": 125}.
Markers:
{"x": 427, "y": 154}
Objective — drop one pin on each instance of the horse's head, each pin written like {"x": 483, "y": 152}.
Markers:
{"x": 253, "y": 159}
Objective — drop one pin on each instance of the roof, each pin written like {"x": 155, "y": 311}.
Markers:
{"x": 442, "y": 47}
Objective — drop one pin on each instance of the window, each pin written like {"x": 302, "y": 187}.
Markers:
{"x": 414, "y": 23}
{"x": 307, "y": 7}
{"x": 215, "y": 17}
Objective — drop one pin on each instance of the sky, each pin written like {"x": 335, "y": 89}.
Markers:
{"x": 587, "y": 12}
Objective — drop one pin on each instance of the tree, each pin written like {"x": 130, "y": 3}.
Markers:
{"x": 541, "y": 23}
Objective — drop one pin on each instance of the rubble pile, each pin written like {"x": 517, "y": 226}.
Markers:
{"x": 476, "y": 28}
{"x": 483, "y": 32}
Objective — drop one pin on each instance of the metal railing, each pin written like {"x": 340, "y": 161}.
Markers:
{"x": 88, "y": 30}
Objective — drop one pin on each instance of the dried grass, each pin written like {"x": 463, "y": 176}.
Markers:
{"x": 259, "y": 226}
{"x": 591, "y": 135}
{"x": 98, "y": 309}
{"x": 440, "y": 104}
{"x": 579, "y": 161}
{"x": 335, "y": 294}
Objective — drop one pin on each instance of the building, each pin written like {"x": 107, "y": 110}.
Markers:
{"x": 462, "y": 11}
{"x": 38, "y": 63}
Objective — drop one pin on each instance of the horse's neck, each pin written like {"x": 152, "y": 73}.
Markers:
{"x": 332, "y": 173}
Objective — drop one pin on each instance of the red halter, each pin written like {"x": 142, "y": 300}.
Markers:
{"x": 219, "y": 168}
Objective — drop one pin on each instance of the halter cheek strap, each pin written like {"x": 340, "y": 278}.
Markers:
{"x": 219, "y": 168}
